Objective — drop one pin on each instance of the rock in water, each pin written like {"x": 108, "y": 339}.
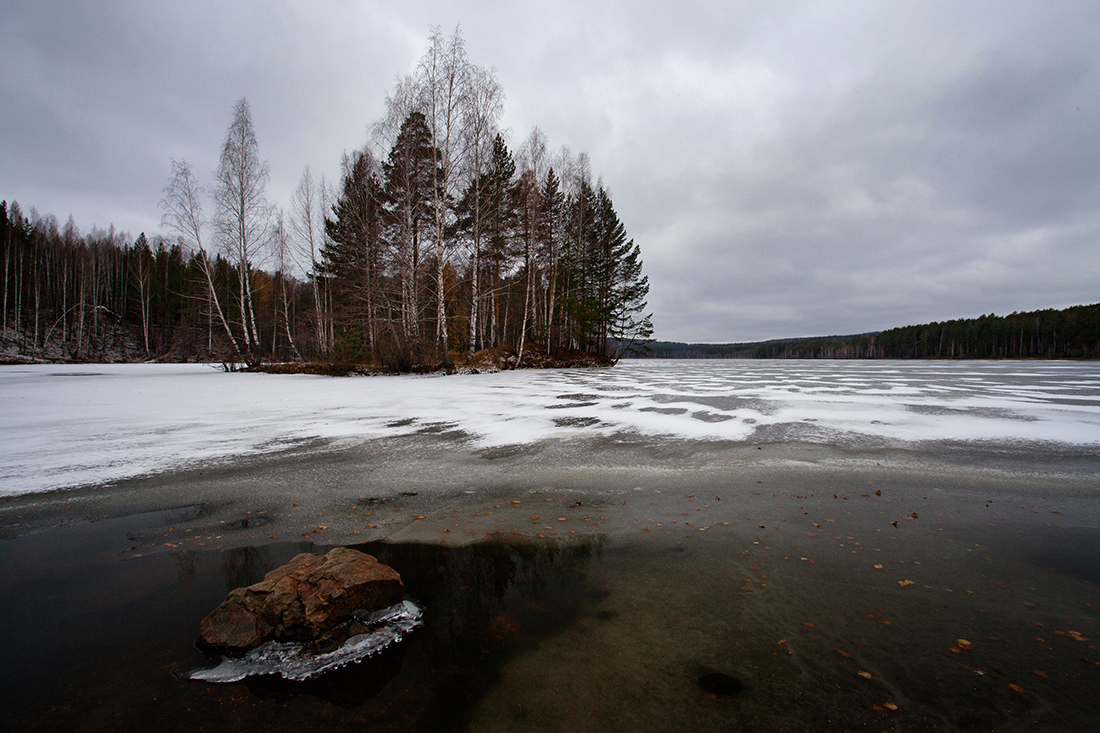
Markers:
{"x": 301, "y": 601}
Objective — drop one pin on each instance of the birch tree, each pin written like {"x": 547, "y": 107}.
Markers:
{"x": 484, "y": 106}
{"x": 242, "y": 215}
{"x": 444, "y": 77}
{"x": 307, "y": 228}
{"x": 280, "y": 247}
{"x": 183, "y": 215}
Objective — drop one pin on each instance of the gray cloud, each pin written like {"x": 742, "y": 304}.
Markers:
{"x": 789, "y": 168}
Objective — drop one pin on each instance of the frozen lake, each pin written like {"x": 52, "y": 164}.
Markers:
{"x": 73, "y": 425}
{"x": 703, "y": 545}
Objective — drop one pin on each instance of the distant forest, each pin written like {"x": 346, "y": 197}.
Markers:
{"x": 437, "y": 242}
{"x": 1072, "y": 333}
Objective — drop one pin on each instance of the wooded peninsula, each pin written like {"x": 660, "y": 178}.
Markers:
{"x": 439, "y": 243}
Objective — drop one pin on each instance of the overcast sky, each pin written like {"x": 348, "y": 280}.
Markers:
{"x": 788, "y": 168}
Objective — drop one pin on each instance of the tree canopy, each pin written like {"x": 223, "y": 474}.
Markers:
{"x": 438, "y": 242}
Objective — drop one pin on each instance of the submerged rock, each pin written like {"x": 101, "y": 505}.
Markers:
{"x": 304, "y": 600}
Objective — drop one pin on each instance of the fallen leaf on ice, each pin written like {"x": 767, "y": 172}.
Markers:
{"x": 808, "y": 623}
{"x": 963, "y": 643}
{"x": 878, "y": 566}
{"x": 890, "y": 706}
{"x": 904, "y": 583}
{"x": 1076, "y": 636}
{"x": 1014, "y": 687}
{"x": 865, "y": 675}
{"x": 843, "y": 653}
{"x": 1039, "y": 672}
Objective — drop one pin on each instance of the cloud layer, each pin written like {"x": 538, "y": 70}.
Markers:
{"x": 789, "y": 168}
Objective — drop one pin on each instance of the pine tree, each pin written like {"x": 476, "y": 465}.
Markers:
{"x": 409, "y": 178}
{"x": 550, "y": 234}
{"x": 354, "y": 256}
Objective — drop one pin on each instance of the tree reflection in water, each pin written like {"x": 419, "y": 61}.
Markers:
{"x": 482, "y": 603}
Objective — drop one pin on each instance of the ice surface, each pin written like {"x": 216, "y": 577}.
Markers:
{"x": 293, "y": 662}
{"x": 69, "y": 425}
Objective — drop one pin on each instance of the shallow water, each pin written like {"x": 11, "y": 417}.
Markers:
{"x": 812, "y": 612}
{"x": 94, "y": 641}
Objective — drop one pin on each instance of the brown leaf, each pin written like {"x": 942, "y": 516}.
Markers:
{"x": 1015, "y": 688}
{"x": 890, "y": 706}
{"x": 843, "y": 653}
{"x": 1076, "y": 636}
{"x": 1039, "y": 672}
{"x": 808, "y": 623}
{"x": 904, "y": 583}
{"x": 878, "y": 566}
{"x": 963, "y": 643}
{"x": 864, "y": 675}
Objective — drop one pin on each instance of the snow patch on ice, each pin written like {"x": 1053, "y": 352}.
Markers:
{"x": 77, "y": 425}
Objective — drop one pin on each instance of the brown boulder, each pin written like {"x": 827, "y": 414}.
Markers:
{"x": 301, "y": 601}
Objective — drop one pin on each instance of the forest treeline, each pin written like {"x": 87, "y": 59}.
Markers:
{"x": 438, "y": 241}
{"x": 1070, "y": 333}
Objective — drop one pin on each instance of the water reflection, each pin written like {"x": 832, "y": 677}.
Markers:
{"x": 483, "y": 603}
{"x": 245, "y": 565}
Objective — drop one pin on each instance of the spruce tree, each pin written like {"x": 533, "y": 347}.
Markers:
{"x": 409, "y": 180}
{"x": 354, "y": 255}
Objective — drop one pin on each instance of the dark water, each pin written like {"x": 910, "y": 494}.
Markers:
{"x": 91, "y": 637}
{"x": 774, "y": 626}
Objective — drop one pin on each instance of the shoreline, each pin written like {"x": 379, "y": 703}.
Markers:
{"x": 318, "y": 484}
